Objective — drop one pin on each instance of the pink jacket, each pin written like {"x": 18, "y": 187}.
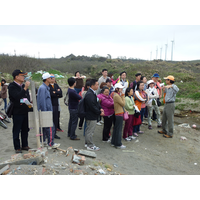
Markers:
{"x": 114, "y": 81}
{"x": 107, "y": 104}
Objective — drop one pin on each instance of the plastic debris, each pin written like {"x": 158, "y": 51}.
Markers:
{"x": 195, "y": 163}
{"x": 78, "y": 159}
{"x": 194, "y": 126}
{"x": 115, "y": 165}
{"x": 128, "y": 151}
{"x": 109, "y": 169}
{"x": 19, "y": 168}
{"x": 183, "y": 138}
{"x": 184, "y": 125}
{"x": 137, "y": 140}
{"x": 101, "y": 171}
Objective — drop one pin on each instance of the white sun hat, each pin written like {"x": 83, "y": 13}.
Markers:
{"x": 150, "y": 81}
{"x": 118, "y": 85}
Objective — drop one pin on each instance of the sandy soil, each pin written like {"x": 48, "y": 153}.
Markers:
{"x": 153, "y": 154}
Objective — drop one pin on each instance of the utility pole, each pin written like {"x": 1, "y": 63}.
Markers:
{"x": 166, "y": 52}
{"x": 172, "y": 49}
{"x": 156, "y": 52}
{"x": 160, "y": 53}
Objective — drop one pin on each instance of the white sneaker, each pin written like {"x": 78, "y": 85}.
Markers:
{"x": 44, "y": 143}
{"x": 112, "y": 145}
{"x": 98, "y": 123}
{"x": 132, "y": 138}
{"x": 56, "y": 145}
{"x": 94, "y": 148}
{"x": 86, "y": 145}
{"x": 102, "y": 122}
{"x": 121, "y": 147}
{"x": 109, "y": 140}
{"x": 127, "y": 139}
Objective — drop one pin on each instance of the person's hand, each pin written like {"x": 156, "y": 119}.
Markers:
{"x": 160, "y": 96}
{"x": 58, "y": 89}
{"x": 27, "y": 85}
{"x": 163, "y": 88}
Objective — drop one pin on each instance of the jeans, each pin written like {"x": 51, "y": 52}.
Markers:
{"x": 73, "y": 121}
{"x": 78, "y": 90}
{"x": 20, "y": 124}
{"x": 142, "y": 111}
{"x": 5, "y": 103}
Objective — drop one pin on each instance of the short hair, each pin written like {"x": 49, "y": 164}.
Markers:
{"x": 93, "y": 82}
{"x": 138, "y": 74}
{"x": 76, "y": 73}
{"x": 138, "y": 84}
{"x": 44, "y": 80}
{"x": 128, "y": 90}
{"x": 104, "y": 70}
{"x": 71, "y": 81}
{"x": 102, "y": 85}
{"x": 142, "y": 77}
{"x": 172, "y": 82}
{"x": 122, "y": 73}
{"x": 104, "y": 88}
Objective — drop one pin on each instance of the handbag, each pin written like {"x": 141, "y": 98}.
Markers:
{"x": 158, "y": 102}
{"x": 9, "y": 109}
{"x": 137, "y": 120}
{"x": 125, "y": 115}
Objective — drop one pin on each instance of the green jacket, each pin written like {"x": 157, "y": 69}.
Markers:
{"x": 129, "y": 105}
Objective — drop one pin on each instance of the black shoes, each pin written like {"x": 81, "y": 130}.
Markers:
{"x": 56, "y": 137}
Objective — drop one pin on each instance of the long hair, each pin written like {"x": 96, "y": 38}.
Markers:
{"x": 3, "y": 80}
{"x": 127, "y": 91}
{"x": 138, "y": 84}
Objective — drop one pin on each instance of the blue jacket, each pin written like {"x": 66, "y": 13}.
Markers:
{"x": 44, "y": 98}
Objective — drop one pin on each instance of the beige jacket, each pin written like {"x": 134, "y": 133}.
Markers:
{"x": 119, "y": 103}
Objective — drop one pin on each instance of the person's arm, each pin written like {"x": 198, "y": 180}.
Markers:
{"x": 128, "y": 104}
{"x": 175, "y": 88}
{"x": 59, "y": 91}
{"x": 120, "y": 100}
{"x": 41, "y": 99}
{"x": 76, "y": 96}
{"x": 137, "y": 94}
{"x": 94, "y": 107}
{"x": 4, "y": 89}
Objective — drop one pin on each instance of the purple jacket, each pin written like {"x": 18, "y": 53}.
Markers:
{"x": 107, "y": 104}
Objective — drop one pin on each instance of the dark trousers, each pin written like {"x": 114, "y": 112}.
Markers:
{"x": 137, "y": 128}
{"x": 117, "y": 132}
{"x": 146, "y": 112}
{"x": 5, "y": 103}
{"x": 107, "y": 126}
{"x": 81, "y": 122}
{"x": 73, "y": 121}
{"x": 49, "y": 133}
{"x": 20, "y": 124}
{"x": 77, "y": 90}
{"x": 58, "y": 120}
{"x": 55, "y": 116}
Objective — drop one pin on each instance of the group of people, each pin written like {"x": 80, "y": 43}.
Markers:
{"x": 106, "y": 102}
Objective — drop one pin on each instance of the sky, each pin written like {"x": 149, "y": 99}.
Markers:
{"x": 131, "y": 29}
{"x": 135, "y": 41}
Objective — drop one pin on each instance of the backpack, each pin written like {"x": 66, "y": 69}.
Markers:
{"x": 66, "y": 99}
{"x": 81, "y": 108}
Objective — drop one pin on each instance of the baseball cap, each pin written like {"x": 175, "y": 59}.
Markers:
{"x": 156, "y": 75}
{"x": 108, "y": 80}
{"x": 118, "y": 85}
{"x": 46, "y": 76}
{"x": 17, "y": 72}
{"x": 170, "y": 78}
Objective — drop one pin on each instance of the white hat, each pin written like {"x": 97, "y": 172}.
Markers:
{"x": 118, "y": 85}
{"x": 46, "y": 76}
{"x": 150, "y": 81}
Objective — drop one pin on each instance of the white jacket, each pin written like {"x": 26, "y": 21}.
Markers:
{"x": 151, "y": 96}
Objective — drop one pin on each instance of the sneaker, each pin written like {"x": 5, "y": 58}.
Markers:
{"x": 161, "y": 132}
{"x": 86, "y": 145}
{"x": 56, "y": 145}
{"x": 135, "y": 134}
{"x": 60, "y": 130}
{"x": 121, "y": 147}
{"x": 112, "y": 145}
{"x": 98, "y": 123}
{"x": 18, "y": 151}
{"x": 94, "y": 148}
{"x": 140, "y": 132}
{"x": 132, "y": 138}
{"x": 102, "y": 122}
{"x": 109, "y": 140}
{"x": 44, "y": 143}
{"x": 149, "y": 127}
{"x": 159, "y": 126}
{"x": 127, "y": 139}
{"x": 56, "y": 137}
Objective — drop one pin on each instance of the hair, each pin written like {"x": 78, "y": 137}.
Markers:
{"x": 71, "y": 81}
{"x": 138, "y": 84}
{"x": 93, "y": 82}
{"x": 76, "y": 73}
{"x": 44, "y": 80}
{"x": 142, "y": 77}
{"x": 138, "y": 74}
{"x": 122, "y": 73}
{"x": 128, "y": 90}
{"x": 102, "y": 85}
{"x": 3, "y": 80}
{"x": 110, "y": 74}
{"x": 104, "y": 70}
{"x": 104, "y": 88}
{"x": 172, "y": 82}
{"x": 116, "y": 90}
{"x": 86, "y": 85}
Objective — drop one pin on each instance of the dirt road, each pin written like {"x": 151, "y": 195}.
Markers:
{"x": 153, "y": 154}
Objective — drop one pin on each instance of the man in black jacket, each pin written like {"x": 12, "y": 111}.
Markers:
{"x": 56, "y": 93}
{"x": 17, "y": 93}
{"x": 93, "y": 110}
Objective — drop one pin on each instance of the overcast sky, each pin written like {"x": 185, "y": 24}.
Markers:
{"x": 130, "y": 41}
{"x": 136, "y": 41}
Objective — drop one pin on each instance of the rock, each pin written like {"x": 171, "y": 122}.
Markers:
{"x": 109, "y": 169}
{"x": 4, "y": 169}
{"x": 87, "y": 153}
{"x": 78, "y": 159}
{"x": 78, "y": 172}
{"x": 28, "y": 155}
{"x": 16, "y": 156}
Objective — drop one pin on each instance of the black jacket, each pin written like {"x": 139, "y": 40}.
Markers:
{"x": 15, "y": 94}
{"x": 56, "y": 95}
{"x": 92, "y": 105}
